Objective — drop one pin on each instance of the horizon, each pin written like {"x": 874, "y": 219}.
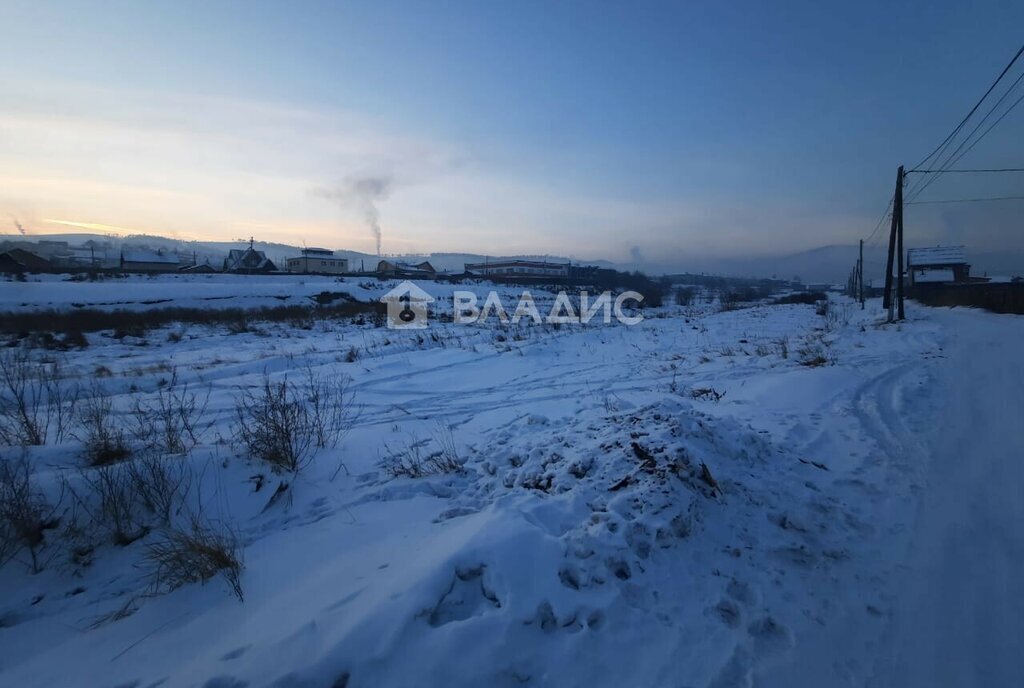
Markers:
{"x": 586, "y": 131}
{"x": 817, "y": 264}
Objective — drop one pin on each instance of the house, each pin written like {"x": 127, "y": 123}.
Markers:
{"x": 203, "y": 268}
{"x": 146, "y": 260}
{"x": 389, "y": 268}
{"x": 519, "y": 268}
{"x": 938, "y": 265}
{"x": 248, "y": 261}
{"x": 87, "y": 256}
{"x": 318, "y": 260}
{"x": 20, "y": 260}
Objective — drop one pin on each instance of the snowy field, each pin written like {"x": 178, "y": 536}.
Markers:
{"x": 704, "y": 499}
{"x": 60, "y": 293}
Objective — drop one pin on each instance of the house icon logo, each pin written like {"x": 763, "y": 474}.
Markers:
{"x": 407, "y": 307}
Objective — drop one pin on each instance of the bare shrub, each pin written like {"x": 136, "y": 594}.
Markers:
{"x": 836, "y": 315}
{"x": 330, "y": 406}
{"x": 685, "y": 296}
{"x": 783, "y": 346}
{"x": 160, "y": 484}
{"x": 108, "y": 495}
{"x": 194, "y": 554}
{"x": 33, "y": 399}
{"x": 802, "y": 297}
{"x": 413, "y": 461}
{"x": 707, "y": 394}
{"x": 275, "y": 425}
{"x": 814, "y": 352}
{"x": 136, "y": 323}
{"x": 74, "y": 339}
{"x": 100, "y": 432}
{"x": 734, "y": 298}
{"x": 25, "y": 515}
{"x": 172, "y": 422}
{"x": 239, "y": 326}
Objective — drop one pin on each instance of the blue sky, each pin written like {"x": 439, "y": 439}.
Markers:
{"x": 661, "y": 131}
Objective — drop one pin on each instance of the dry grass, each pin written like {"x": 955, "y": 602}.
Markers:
{"x": 194, "y": 554}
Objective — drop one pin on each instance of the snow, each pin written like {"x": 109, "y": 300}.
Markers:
{"x": 936, "y": 275}
{"x": 938, "y": 255}
{"x": 611, "y": 526}
{"x": 216, "y": 291}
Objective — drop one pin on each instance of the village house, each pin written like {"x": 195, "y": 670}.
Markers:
{"x": 19, "y": 260}
{"x": 938, "y": 265}
{"x": 388, "y": 268}
{"x": 519, "y": 268}
{"x": 248, "y": 261}
{"x": 318, "y": 260}
{"x": 146, "y": 260}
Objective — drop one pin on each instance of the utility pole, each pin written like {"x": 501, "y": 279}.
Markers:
{"x": 897, "y": 211}
{"x": 887, "y": 300}
{"x": 860, "y": 275}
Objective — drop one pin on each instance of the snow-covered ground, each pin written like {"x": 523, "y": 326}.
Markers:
{"x": 135, "y": 292}
{"x": 683, "y": 502}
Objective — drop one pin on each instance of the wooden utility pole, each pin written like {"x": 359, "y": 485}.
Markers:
{"x": 860, "y": 275}
{"x": 887, "y": 300}
{"x": 897, "y": 211}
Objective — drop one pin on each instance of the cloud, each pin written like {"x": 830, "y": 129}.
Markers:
{"x": 200, "y": 166}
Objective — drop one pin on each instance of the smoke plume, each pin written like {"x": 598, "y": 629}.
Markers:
{"x": 636, "y": 254}
{"x": 363, "y": 194}
{"x": 21, "y": 230}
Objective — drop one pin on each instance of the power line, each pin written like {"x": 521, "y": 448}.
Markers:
{"x": 967, "y": 200}
{"x": 990, "y": 127}
{"x": 880, "y": 222}
{"x": 1001, "y": 169}
{"x": 922, "y": 183}
{"x": 954, "y": 157}
{"x": 973, "y": 109}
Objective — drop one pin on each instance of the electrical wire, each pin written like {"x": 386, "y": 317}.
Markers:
{"x": 1002, "y": 169}
{"x": 956, "y": 154}
{"x": 960, "y": 126}
{"x": 967, "y": 200}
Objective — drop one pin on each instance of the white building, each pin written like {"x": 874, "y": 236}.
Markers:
{"x": 938, "y": 265}
{"x": 519, "y": 268}
{"x": 318, "y": 260}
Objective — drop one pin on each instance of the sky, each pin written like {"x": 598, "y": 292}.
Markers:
{"x": 644, "y": 132}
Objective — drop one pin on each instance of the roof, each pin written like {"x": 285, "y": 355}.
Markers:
{"x": 939, "y": 255}
{"x": 318, "y": 256}
{"x": 203, "y": 267}
{"x": 245, "y": 259}
{"x": 147, "y": 256}
{"x": 388, "y": 265}
{"x": 515, "y": 263}
{"x": 24, "y": 259}
{"x": 940, "y": 275}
